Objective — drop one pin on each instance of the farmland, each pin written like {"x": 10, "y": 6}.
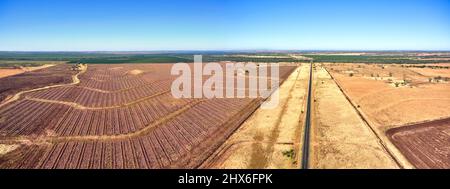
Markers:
{"x": 372, "y": 110}
{"x": 392, "y": 96}
{"x": 424, "y": 144}
{"x": 38, "y": 78}
{"x": 340, "y": 138}
{"x": 114, "y": 116}
{"x": 270, "y": 137}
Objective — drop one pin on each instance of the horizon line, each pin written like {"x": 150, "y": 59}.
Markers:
{"x": 230, "y": 50}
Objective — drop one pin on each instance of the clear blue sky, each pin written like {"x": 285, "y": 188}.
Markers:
{"x": 79, "y": 25}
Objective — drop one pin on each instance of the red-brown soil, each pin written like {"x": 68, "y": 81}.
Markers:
{"x": 114, "y": 119}
{"x": 425, "y": 145}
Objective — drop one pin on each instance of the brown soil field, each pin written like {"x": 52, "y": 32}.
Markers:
{"x": 270, "y": 137}
{"x": 340, "y": 139}
{"x": 386, "y": 106}
{"x": 35, "y": 78}
{"x": 108, "y": 118}
{"x": 425, "y": 145}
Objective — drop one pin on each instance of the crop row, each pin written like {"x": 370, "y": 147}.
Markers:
{"x": 33, "y": 117}
{"x": 163, "y": 147}
{"x": 93, "y": 98}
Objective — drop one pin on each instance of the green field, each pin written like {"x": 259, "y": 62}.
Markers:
{"x": 39, "y": 58}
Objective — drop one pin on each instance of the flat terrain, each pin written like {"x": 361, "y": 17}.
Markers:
{"x": 34, "y": 78}
{"x": 373, "y": 88}
{"x": 340, "y": 138}
{"x": 270, "y": 137}
{"x": 426, "y": 145}
{"x": 5, "y": 72}
{"x": 115, "y": 116}
{"x": 390, "y": 96}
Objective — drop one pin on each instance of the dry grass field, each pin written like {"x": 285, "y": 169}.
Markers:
{"x": 340, "y": 138}
{"x": 391, "y": 96}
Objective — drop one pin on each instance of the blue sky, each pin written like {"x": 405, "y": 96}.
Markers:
{"x": 89, "y": 25}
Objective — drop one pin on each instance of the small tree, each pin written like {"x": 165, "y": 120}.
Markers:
{"x": 351, "y": 74}
{"x": 390, "y": 74}
{"x": 397, "y": 84}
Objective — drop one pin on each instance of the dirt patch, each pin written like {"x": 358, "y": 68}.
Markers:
{"x": 116, "y": 68}
{"x": 5, "y": 72}
{"x": 6, "y": 148}
{"x": 135, "y": 72}
{"x": 8, "y": 72}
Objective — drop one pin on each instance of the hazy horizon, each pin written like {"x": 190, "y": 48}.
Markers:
{"x": 229, "y": 25}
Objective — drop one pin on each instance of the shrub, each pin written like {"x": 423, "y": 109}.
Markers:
{"x": 289, "y": 153}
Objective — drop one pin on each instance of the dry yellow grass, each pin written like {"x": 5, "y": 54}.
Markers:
{"x": 432, "y": 72}
{"x": 262, "y": 139}
{"x": 386, "y": 107}
{"x": 340, "y": 138}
